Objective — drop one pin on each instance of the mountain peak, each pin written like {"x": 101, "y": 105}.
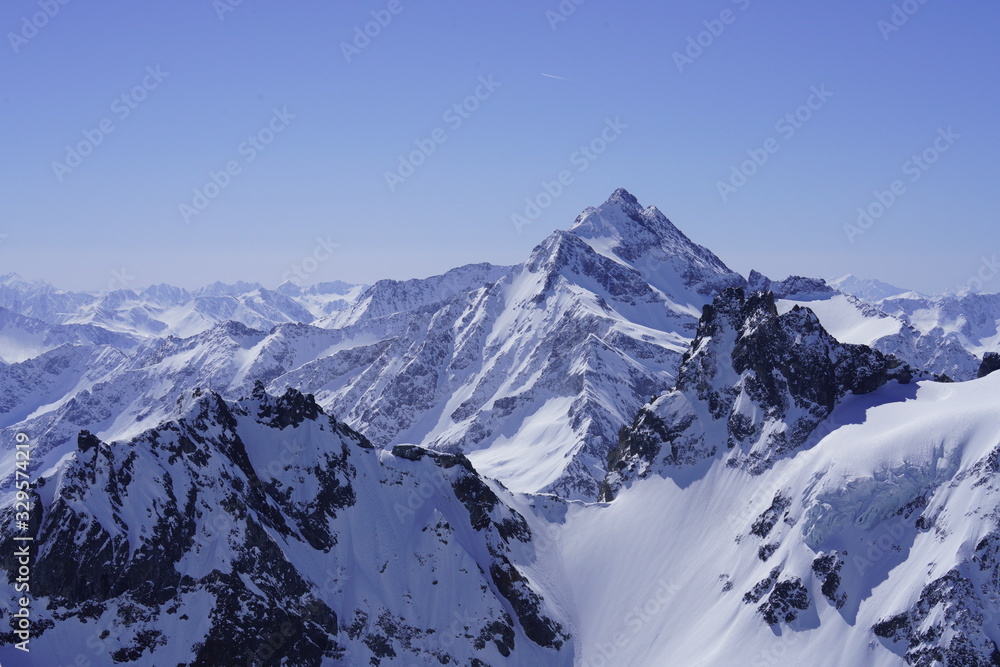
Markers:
{"x": 866, "y": 289}
{"x": 15, "y": 281}
{"x": 644, "y": 238}
{"x": 623, "y": 219}
{"x": 623, "y": 196}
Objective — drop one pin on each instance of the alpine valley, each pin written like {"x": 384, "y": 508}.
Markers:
{"x": 620, "y": 452}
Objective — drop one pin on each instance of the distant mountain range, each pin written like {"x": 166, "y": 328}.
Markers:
{"x": 509, "y": 465}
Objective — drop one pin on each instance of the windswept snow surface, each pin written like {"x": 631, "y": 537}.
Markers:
{"x": 867, "y": 289}
{"x": 648, "y": 572}
{"x": 847, "y": 320}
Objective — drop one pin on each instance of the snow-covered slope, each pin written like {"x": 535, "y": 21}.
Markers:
{"x": 164, "y": 310}
{"x": 23, "y": 338}
{"x": 531, "y": 374}
{"x": 800, "y": 502}
{"x": 323, "y": 299}
{"x": 876, "y": 546}
{"x": 391, "y": 297}
{"x": 946, "y": 335}
{"x": 265, "y": 532}
{"x": 753, "y": 388}
{"x": 530, "y": 370}
{"x": 848, "y": 320}
{"x": 867, "y": 289}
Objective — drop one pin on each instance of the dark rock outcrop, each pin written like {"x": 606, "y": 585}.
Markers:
{"x": 211, "y": 525}
{"x": 787, "y": 599}
{"x": 765, "y": 380}
{"x": 991, "y": 364}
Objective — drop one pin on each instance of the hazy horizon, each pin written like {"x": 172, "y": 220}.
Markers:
{"x": 221, "y": 142}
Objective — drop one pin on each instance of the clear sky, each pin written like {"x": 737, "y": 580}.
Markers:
{"x": 309, "y": 116}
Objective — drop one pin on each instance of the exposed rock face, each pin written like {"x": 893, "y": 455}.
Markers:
{"x": 478, "y": 359}
{"x": 482, "y": 504}
{"x": 944, "y": 334}
{"x": 951, "y": 622}
{"x": 792, "y": 287}
{"x": 248, "y": 532}
{"x": 827, "y": 569}
{"x": 991, "y": 364}
{"x": 786, "y": 600}
{"x": 754, "y": 382}
{"x": 765, "y": 523}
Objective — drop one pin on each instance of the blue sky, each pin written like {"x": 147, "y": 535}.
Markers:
{"x": 309, "y": 128}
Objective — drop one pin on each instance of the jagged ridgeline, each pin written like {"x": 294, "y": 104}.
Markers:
{"x": 815, "y": 480}
{"x": 530, "y": 370}
{"x": 753, "y": 388}
{"x": 265, "y": 532}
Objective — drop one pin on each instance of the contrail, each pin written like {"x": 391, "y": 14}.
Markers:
{"x": 553, "y": 76}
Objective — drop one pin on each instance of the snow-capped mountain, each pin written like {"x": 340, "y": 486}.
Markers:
{"x": 545, "y": 360}
{"x": 23, "y": 338}
{"x": 265, "y": 532}
{"x": 970, "y": 320}
{"x": 874, "y": 546}
{"x": 165, "y": 310}
{"x": 865, "y": 533}
{"x": 39, "y": 300}
{"x": 617, "y": 452}
{"x": 530, "y": 370}
{"x": 754, "y": 386}
{"x": 867, "y": 289}
{"x": 946, "y": 334}
{"x": 873, "y": 543}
